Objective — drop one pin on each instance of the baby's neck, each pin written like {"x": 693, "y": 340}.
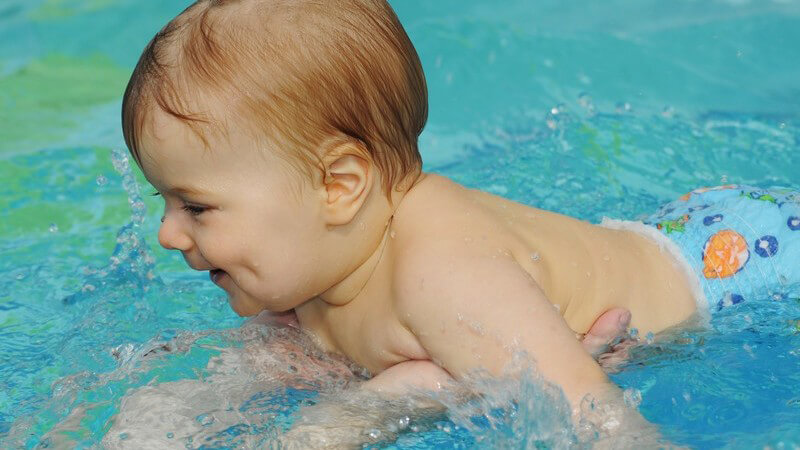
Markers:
{"x": 367, "y": 277}
{"x": 361, "y": 244}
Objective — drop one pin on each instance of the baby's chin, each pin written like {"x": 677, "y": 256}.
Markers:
{"x": 246, "y": 306}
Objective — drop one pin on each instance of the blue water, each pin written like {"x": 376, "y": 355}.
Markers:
{"x": 585, "y": 108}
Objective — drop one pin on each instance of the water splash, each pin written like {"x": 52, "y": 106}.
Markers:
{"x": 219, "y": 387}
{"x": 130, "y": 265}
{"x": 520, "y": 410}
{"x": 121, "y": 162}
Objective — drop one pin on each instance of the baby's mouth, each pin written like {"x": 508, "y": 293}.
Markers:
{"x": 216, "y": 275}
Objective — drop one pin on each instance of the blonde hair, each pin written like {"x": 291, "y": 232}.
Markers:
{"x": 302, "y": 72}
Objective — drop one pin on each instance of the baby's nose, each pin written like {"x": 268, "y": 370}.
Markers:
{"x": 172, "y": 237}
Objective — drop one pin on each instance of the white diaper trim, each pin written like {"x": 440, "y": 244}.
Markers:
{"x": 664, "y": 243}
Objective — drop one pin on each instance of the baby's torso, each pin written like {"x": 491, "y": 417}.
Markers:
{"x": 583, "y": 269}
{"x": 587, "y": 269}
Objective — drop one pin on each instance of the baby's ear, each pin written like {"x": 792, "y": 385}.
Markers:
{"x": 347, "y": 182}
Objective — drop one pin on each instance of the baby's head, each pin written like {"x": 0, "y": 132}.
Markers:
{"x": 237, "y": 106}
{"x": 299, "y": 74}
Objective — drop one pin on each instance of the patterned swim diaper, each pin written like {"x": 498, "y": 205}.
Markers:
{"x": 741, "y": 242}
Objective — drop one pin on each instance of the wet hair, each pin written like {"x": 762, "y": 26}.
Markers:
{"x": 300, "y": 73}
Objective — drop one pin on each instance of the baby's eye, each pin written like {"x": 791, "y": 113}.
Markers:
{"x": 194, "y": 209}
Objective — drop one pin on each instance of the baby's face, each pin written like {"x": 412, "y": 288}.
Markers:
{"x": 231, "y": 210}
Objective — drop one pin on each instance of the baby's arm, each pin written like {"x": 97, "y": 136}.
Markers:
{"x": 474, "y": 311}
{"x": 372, "y": 411}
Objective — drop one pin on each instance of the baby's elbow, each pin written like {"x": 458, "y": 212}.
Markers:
{"x": 410, "y": 376}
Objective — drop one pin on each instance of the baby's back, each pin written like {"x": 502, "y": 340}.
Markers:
{"x": 583, "y": 269}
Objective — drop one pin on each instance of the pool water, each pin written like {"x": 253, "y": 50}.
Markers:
{"x": 586, "y": 108}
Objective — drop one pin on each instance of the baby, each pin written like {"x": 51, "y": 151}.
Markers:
{"x": 282, "y": 135}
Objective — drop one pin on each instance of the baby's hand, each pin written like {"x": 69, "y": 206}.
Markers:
{"x": 611, "y": 326}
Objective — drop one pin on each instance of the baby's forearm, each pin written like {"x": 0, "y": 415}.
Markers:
{"x": 356, "y": 417}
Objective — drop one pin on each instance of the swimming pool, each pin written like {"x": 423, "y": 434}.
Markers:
{"x": 586, "y": 108}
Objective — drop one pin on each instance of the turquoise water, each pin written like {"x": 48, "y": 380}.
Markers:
{"x": 587, "y": 108}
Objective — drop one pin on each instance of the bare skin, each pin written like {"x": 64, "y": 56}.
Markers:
{"x": 611, "y": 326}
{"x": 582, "y": 269}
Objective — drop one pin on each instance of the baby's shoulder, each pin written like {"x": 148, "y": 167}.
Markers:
{"x": 436, "y": 209}
{"x": 433, "y": 260}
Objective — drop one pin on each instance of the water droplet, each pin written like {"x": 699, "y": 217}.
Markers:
{"x": 622, "y": 107}
{"x": 374, "y": 434}
{"x": 477, "y": 328}
{"x": 53, "y": 228}
{"x": 20, "y": 276}
{"x": 205, "y": 419}
{"x": 687, "y": 396}
{"x": 403, "y": 422}
{"x": 123, "y": 436}
{"x": 649, "y": 338}
{"x": 586, "y": 102}
{"x": 101, "y": 180}
{"x": 535, "y": 256}
{"x": 632, "y": 397}
{"x": 588, "y": 274}
{"x": 606, "y": 258}
{"x": 170, "y": 435}
{"x": 467, "y": 240}
{"x": 392, "y": 234}
{"x": 634, "y": 333}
